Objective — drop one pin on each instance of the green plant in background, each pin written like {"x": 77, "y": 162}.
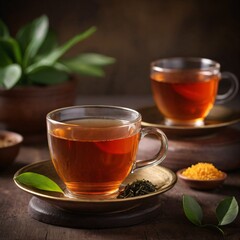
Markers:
{"x": 34, "y": 57}
{"x": 226, "y": 212}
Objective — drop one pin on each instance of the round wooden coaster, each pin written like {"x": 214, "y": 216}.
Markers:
{"x": 50, "y": 214}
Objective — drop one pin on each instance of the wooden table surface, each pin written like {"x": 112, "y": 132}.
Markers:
{"x": 170, "y": 222}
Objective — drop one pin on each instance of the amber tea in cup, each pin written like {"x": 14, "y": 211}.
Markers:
{"x": 93, "y": 148}
{"x": 185, "y": 89}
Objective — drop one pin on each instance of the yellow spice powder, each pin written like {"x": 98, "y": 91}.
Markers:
{"x": 203, "y": 171}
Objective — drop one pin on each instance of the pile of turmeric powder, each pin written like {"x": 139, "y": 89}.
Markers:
{"x": 203, "y": 171}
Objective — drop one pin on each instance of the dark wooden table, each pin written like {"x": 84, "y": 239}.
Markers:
{"x": 170, "y": 222}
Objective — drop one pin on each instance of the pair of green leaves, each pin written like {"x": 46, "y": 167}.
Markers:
{"x": 34, "y": 56}
{"x": 226, "y": 212}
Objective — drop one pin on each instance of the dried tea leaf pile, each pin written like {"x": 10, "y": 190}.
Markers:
{"x": 137, "y": 188}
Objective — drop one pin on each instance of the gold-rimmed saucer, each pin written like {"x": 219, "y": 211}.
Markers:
{"x": 160, "y": 176}
{"x": 218, "y": 118}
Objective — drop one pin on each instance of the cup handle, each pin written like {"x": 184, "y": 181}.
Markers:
{"x": 161, "y": 154}
{"x": 232, "y": 91}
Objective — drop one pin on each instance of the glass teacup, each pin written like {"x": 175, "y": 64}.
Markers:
{"x": 186, "y": 89}
{"x": 93, "y": 148}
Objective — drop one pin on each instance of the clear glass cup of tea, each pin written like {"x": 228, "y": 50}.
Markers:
{"x": 93, "y": 147}
{"x": 186, "y": 89}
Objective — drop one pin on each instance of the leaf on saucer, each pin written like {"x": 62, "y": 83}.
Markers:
{"x": 38, "y": 181}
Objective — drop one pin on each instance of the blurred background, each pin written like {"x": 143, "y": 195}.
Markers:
{"x": 136, "y": 32}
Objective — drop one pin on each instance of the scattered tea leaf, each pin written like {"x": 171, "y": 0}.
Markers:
{"x": 38, "y": 181}
{"x": 227, "y": 211}
{"x": 192, "y": 210}
{"x": 137, "y": 188}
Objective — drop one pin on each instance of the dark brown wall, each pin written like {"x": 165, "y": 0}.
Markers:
{"x": 136, "y": 32}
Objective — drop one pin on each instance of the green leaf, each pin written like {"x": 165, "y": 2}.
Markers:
{"x": 32, "y": 36}
{"x": 49, "y": 44}
{"x": 61, "y": 67}
{"x": 227, "y": 211}
{"x": 4, "y": 32}
{"x": 38, "y": 181}
{"x": 60, "y": 51}
{"x": 84, "y": 69}
{"x": 10, "y": 75}
{"x": 192, "y": 210}
{"x": 12, "y": 48}
{"x": 88, "y": 64}
{"x": 23, "y": 36}
{"x": 93, "y": 59}
{"x": 4, "y": 58}
{"x": 48, "y": 75}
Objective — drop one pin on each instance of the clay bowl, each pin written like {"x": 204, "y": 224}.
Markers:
{"x": 201, "y": 184}
{"x": 10, "y": 143}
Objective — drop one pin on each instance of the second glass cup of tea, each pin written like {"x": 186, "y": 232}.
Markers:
{"x": 185, "y": 89}
{"x": 93, "y": 148}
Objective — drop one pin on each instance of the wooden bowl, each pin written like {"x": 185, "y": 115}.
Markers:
{"x": 201, "y": 184}
{"x": 9, "y": 147}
